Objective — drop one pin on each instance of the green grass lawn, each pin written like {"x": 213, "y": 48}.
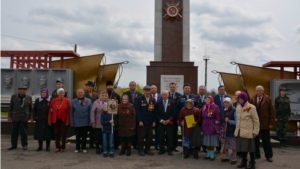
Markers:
{"x": 4, "y": 114}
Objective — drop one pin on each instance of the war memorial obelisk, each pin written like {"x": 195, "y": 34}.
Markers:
{"x": 172, "y": 47}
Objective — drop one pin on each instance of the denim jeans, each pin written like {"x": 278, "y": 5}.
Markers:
{"x": 108, "y": 141}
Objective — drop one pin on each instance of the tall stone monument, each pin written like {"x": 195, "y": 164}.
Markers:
{"x": 172, "y": 47}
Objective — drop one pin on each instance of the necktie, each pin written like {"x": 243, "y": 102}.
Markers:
{"x": 132, "y": 97}
{"x": 172, "y": 95}
{"x": 259, "y": 100}
{"x": 202, "y": 98}
{"x": 154, "y": 97}
{"x": 165, "y": 105}
{"x": 222, "y": 99}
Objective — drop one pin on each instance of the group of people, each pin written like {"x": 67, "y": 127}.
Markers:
{"x": 213, "y": 122}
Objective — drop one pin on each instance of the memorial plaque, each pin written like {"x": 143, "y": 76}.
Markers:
{"x": 167, "y": 79}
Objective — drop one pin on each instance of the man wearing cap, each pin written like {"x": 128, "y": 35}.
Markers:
{"x": 146, "y": 117}
{"x": 20, "y": 108}
{"x": 266, "y": 115}
{"x": 90, "y": 94}
{"x": 115, "y": 96}
{"x": 59, "y": 84}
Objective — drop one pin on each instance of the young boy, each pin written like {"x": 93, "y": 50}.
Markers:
{"x": 107, "y": 133}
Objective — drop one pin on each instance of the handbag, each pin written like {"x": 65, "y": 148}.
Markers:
{"x": 196, "y": 138}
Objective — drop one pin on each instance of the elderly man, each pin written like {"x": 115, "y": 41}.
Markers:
{"x": 90, "y": 94}
{"x": 266, "y": 113}
{"x": 146, "y": 116}
{"x": 165, "y": 110}
{"x": 219, "y": 98}
{"x": 80, "y": 119}
{"x": 20, "y": 108}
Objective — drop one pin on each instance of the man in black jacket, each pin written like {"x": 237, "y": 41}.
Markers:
{"x": 20, "y": 108}
{"x": 165, "y": 110}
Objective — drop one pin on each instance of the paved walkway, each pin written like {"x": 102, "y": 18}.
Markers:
{"x": 30, "y": 159}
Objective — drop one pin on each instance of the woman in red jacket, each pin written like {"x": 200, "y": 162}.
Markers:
{"x": 59, "y": 116}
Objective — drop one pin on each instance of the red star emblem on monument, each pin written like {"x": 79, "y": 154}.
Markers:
{"x": 172, "y": 11}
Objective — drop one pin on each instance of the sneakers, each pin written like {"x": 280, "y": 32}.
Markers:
{"x": 84, "y": 151}
{"x": 76, "y": 151}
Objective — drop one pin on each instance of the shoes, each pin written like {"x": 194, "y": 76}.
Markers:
{"x": 157, "y": 148}
{"x": 122, "y": 151}
{"x": 62, "y": 150}
{"x": 176, "y": 150}
{"x": 39, "y": 149}
{"x": 170, "y": 153}
{"x": 25, "y": 148}
{"x": 105, "y": 155}
{"x": 161, "y": 152}
{"x": 111, "y": 155}
{"x": 243, "y": 164}
{"x": 47, "y": 148}
{"x": 270, "y": 160}
{"x": 57, "y": 150}
{"x": 251, "y": 165}
{"x": 149, "y": 153}
{"x": 84, "y": 151}
{"x": 212, "y": 159}
{"x": 186, "y": 153}
{"x": 76, "y": 151}
{"x": 98, "y": 150}
{"x": 11, "y": 148}
{"x": 217, "y": 152}
{"x": 128, "y": 152}
{"x": 141, "y": 153}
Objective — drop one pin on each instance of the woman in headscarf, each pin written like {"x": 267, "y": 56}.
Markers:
{"x": 228, "y": 121}
{"x": 97, "y": 110}
{"x": 210, "y": 127}
{"x": 247, "y": 128}
{"x": 59, "y": 116}
{"x": 126, "y": 125}
{"x": 188, "y": 110}
{"x": 42, "y": 131}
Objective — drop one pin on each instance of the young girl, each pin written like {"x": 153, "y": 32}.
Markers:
{"x": 107, "y": 133}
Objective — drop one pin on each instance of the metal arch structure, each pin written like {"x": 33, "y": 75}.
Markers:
{"x": 21, "y": 59}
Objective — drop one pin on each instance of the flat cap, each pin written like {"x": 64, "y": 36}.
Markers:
{"x": 22, "y": 87}
{"x": 147, "y": 88}
{"x": 59, "y": 79}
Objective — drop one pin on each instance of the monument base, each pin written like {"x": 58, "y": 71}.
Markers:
{"x": 187, "y": 69}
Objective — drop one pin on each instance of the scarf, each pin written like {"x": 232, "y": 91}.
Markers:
{"x": 207, "y": 106}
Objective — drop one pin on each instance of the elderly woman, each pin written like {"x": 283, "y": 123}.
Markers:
{"x": 80, "y": 119}
{"x": 283, "y": 113}
{"x": 59, "y": 116}
{"x": 247, "y": 128}
{"x": 228, "y": 121}
{"x": 188, "y": 110}
{"x": 42, "y": 131}
{"x": 126, "y": 125}
{"x": 210, "y": 127}
{"x": 97, "y": 110}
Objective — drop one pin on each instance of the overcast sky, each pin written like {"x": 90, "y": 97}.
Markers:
{"x": 250, "y": 32}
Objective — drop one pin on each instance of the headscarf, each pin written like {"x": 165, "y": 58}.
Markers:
{"x": 189, "y": 101}
{"x": 47, "y": 93}
{"x": 243, "y": 96}
{"x": 211, "y": 103}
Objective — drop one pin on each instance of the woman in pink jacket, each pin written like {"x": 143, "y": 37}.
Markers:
{"x": 96, "y": 112}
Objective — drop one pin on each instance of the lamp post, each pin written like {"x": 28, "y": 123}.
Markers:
{"x": 206, "y": 58}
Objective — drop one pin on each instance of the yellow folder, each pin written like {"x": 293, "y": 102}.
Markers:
{"x": 189, "y": 120}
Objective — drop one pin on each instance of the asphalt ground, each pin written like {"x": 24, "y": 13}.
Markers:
{"x": 284, "y": 158}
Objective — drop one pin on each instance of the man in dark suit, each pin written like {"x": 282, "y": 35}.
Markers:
{"x": 146, "y": 118}
{"x": 157, "y": 97}
{"x": 173, "y": 95}
{"x": 201, "y": 102}
{"x": 165, "y": 110}
{"x": 218, "y": 99}
{"x": 90, "y": 94}
{"x": 20, "y": 108}
{"x": 179, "y": 105}
{"x": 132, "y": 95}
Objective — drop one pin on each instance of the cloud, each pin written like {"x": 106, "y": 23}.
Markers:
{"x": 297, "y": 30}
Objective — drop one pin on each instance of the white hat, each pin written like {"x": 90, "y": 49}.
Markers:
{"x": 228, "y": 99}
